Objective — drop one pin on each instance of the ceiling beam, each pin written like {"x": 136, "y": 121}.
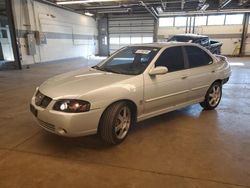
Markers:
{"x": 164, "y": 5}
{"x": 182, "y": 4}
{"x": 125, "y": 5}
{"x": 85, "y": 1}
{"x": 210, "y": 12}
{"x": 150, "y": 6}
{"x": 148, "y": 9}
{"x": 243, "y": 2}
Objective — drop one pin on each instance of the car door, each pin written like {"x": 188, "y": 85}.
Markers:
{"x": 170, "y": 89}
{"x": 201, "y": 71}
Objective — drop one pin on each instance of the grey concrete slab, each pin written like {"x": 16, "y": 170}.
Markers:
{"x": 173, "y": 143}
{"x": 16, "y": 129}
{"x": 199, "y": 148}
{"x": 28, "y": 170}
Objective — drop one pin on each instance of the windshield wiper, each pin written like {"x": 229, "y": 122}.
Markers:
{"x": 111, "y": 70}
{"x": 104, "y": 69}
{"x": 97, "y": 68}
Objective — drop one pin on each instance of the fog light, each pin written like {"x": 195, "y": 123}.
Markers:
{"x": 61, "y": 131}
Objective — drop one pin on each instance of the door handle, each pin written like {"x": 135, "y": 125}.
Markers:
{"x": 184, "y": 77}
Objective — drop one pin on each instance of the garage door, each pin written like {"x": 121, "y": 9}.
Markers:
{"x": 128, "y": 30}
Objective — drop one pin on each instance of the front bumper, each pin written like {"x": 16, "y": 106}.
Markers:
{"x": 66, "y": 124}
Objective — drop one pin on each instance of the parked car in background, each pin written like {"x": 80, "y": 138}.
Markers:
{"x": 212, "y": 45}
{"x": 133, "y": 84}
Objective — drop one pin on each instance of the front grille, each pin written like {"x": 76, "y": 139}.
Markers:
{"x": 42, "y": 100}
{"x": 47, "y": 126}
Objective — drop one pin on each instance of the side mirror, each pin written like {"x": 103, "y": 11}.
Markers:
{"x": 158, "y": 70}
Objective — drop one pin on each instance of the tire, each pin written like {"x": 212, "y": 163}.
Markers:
{"x": 213, "y": 96}
{"x": 115, "y": 123}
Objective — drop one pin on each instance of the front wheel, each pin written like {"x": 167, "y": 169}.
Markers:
{"x": 115, "y": 123}
{"x": 213, "y": 97}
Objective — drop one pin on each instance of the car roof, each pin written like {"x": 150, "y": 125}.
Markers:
{"x": 190, "y": 35}
{"x": 164, "y": 44}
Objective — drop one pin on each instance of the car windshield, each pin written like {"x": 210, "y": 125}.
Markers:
{"x": 129, "y": 60}
{"x": 181, "y": 39}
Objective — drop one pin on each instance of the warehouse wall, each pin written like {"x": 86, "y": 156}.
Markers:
{"x": 230, "y": 35}
{"x": 247, "y": 47}
{"x": 66, "y": 34}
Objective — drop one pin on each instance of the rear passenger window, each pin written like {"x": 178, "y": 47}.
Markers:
{"x": 172, "y": 58}
{"x": 197, "y": 57}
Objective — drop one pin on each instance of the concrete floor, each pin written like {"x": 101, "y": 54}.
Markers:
{"x": 185, "y": 148}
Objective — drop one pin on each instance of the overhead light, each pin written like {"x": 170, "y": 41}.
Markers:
{"x": 159, "y": 9}
{"x": 81, "y": 1}
{"x": 113, "y": 11}
{"x": 204, "y": 7}
{"x": 88, "y": 14}
{"x": 223, "y": 4}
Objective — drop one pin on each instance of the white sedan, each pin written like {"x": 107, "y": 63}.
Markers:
{"x": 135, "y": 83}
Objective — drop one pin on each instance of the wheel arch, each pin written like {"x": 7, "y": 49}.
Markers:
{"x": 218, "y": 80}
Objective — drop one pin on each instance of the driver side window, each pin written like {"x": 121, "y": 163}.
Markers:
{"x": 172, "y": 58}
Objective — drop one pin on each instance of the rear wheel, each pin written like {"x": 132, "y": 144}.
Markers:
{"x": 115, "y": 123}
{"x": 213, "y": 97}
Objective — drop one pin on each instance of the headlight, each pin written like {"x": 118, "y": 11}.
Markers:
{"x": 72, "y": 106}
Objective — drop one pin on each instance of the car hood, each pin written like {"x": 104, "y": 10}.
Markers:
{"x": 78, "y": 83}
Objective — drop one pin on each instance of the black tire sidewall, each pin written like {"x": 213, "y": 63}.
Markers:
{"x": 108, "y": 124}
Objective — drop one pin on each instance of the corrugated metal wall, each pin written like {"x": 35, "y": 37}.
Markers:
{"x": 130, "y": 30}
{"x": 67, "y": 34}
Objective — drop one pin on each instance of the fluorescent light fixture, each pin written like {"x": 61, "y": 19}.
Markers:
{"x": 81, "y": 1}
{"x": 113, "y": 11}
{"x": 88, "y": 14}
{"x": 225, "y": 3}
{"x": 204, "y": 7}
{"x": 159, "y": 9}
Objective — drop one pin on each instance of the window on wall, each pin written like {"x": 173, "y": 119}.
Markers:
{"x": 147, "y": 39}
{"x": 234, "y": 19}
{"x": 216, "y": 20}
{"x": 135, "y": 40}
{"x": 124, "y": 40}
{"x": 200, "y": 20}
{"x": 166, "y": 22}
{"x": 117, "y": 42}
{"x": 114, "y": 40}
{"x": 180, "y": 21}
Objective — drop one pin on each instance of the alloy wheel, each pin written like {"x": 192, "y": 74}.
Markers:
{"x": 122, "y": 122}
{"x": 214, "y": 95}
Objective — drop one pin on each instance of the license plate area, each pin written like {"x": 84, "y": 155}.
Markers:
{"x": 33, "y": 110}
